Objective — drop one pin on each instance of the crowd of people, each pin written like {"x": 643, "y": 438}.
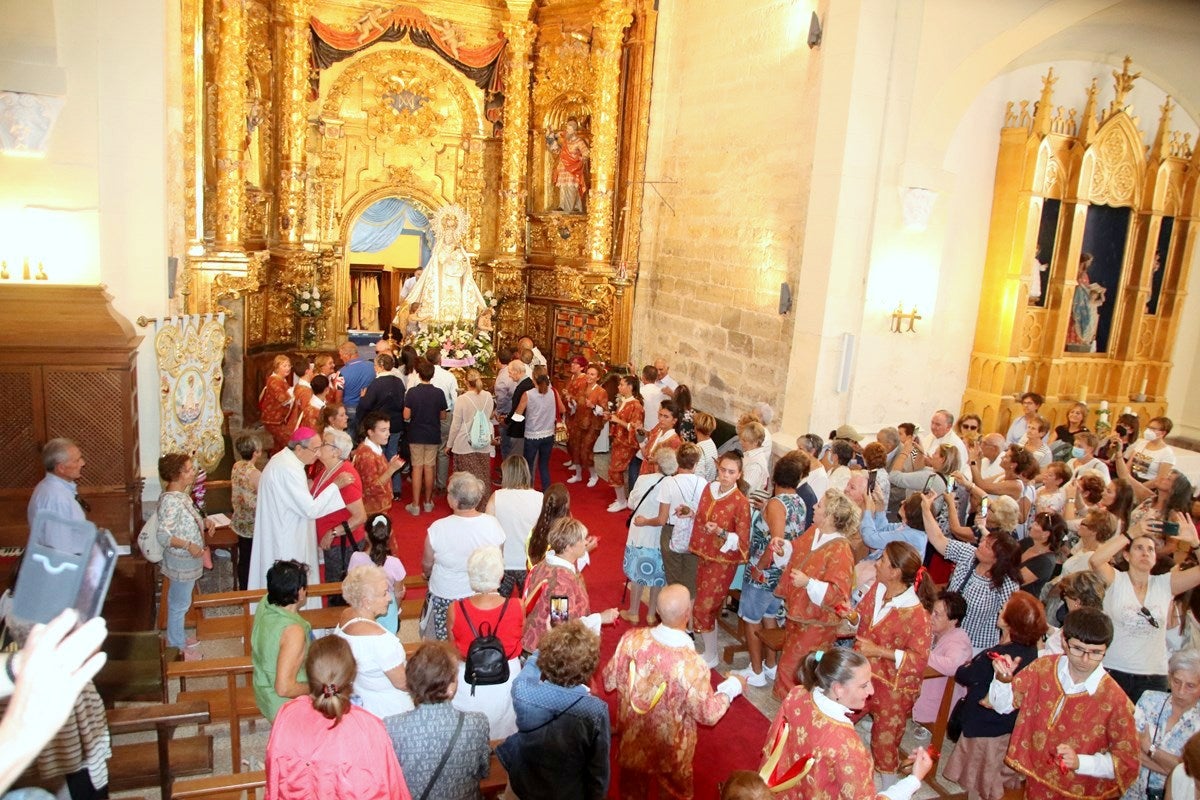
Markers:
{"x": 1049, "y": 572}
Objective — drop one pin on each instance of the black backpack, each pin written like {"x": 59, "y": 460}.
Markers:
{"x": 486, "y": 663}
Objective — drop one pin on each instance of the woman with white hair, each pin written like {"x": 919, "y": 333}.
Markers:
{"x": 1165, "y": 721}
{"x": 643, "y": 562}
{"x": 380, "y": 685}
{"x": 338, "y": 533}
{"x": 448, "y": 545}
{"x": 485, "y": 613}
{"x": 756, "y": 449}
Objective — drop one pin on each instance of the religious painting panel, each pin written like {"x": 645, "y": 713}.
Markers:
{"x": 1098, "y": 278}
{"x": 575, "y": 334}
{"x": 1043, "y": 254}
{"x": 1162, "y": 248}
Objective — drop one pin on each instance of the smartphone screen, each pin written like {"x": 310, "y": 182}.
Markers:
{"x": 560, "y": 609}
{"x": 1170, "y": 529}
{"x": 950, "y": 484}
{"x": 983, "y": 504}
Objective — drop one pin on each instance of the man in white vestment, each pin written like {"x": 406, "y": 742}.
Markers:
{"x": 285, "y": 519}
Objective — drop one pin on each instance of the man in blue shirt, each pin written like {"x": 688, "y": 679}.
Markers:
{"x": 58, "y": 493}
{"x": 356, "y": 374}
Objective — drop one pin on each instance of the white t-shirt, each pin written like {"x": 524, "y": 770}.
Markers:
{"x": 839, "y": 478}
{"x": 1183, "y": 787}
{"x": 682, "y": 490}
{"x": 652, "y": 398}
{"x": 1138, "y": 646}
{"x": 1145, "y": 464}
{"x": 644, "y": 500}
{"x": 707, "y": 465}
{"x": 517, "y": 512}
{"x": 453, "y": 539}
{"x": 1095, "y": 465}
{"x": 373, "y": 690}
{"x": 818, "y": 479}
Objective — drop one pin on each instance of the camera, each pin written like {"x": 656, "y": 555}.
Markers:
{"x": 1122, "y": 430}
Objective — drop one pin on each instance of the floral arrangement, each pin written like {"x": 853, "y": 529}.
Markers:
{"x": 462, "y": 344}
{"x": 307, "y": 301}
{"x": 493, "y": 302}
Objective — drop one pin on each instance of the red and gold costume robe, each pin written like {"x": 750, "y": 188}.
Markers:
{"x": 896, "y": 688}
{"x": 623, "y": 443}
{"x": 309, "y": 415}
{"x": 274, "y": 407}
{"x": 576, "y": 390}
{"x": 809, "y": 626}
{"x": 655, "y": 439}
{"x": 377, "y": 497}
{"x": 590, "y": 425}
{"x": 303, "y": 393}
{"x": 1090, "y": 724}
{"x": 548, "y": 580}
{"x": 841, "y": 767}
{"x": 715, "y": 569}
{"x": 663, "y": 693}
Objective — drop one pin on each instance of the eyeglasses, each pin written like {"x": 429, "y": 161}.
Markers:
{"x": 1083, "y": 652}
{"x": 966, "y": 427}
{"x": 1145, "y": 612}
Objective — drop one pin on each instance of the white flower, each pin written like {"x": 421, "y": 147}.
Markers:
{"x": 316, "y": 292}
{"x": 460, "y": 354}
{"x": 305, "y": 295}
{"x": 304, "y": 306}
{"x": 317, "y": 303}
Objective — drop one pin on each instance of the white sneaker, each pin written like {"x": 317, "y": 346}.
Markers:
{"x": 413, "y": 509}
{"x": 575, "y": 479}
{"x": 770, "y": 672}
{"x": 617, "y": 505}
{"x": 752, "y": 678}
{"x": 592, "y": 481}
{"x": 711, "y": 661}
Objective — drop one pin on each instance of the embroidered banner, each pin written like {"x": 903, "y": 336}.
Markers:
{"x": 190, "y": 351}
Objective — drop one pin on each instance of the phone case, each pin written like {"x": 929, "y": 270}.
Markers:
{"x": 67, "y": 564}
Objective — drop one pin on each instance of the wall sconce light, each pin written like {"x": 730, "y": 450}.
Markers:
{"x": 900, "y": 318}
{"x": 814, "y": 31}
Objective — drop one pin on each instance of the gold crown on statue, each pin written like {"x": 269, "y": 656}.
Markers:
{"x": 444, "y": 214}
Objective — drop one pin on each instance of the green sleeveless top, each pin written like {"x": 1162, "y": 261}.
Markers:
{"x": 269, "y": 624}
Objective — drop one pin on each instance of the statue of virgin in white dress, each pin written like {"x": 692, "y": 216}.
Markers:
{"x": 446, "y": 291}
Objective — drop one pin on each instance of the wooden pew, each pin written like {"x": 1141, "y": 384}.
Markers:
{"x": 236, "y": 625}
{"x": 136, "y": 766}
{"x": 222, "y": 787}
{"x": 938, "y": 734}
{"x": 234, "y": 701}
{"x": 734, "y": 627}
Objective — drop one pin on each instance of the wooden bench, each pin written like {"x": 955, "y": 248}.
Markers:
{"x": 736, "y": 629}
{"x": 240, "y": 624}
{"x": 135, "y": 668}
{"x": 222, "y": 787}
{"x": 234, "y": 701}
{"x": 137, "y": 766}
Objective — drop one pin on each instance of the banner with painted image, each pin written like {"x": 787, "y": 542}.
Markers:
{"x": 190, "y": 350}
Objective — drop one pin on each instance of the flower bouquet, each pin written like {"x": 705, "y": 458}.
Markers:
{"x": 307, "y": 302}
{"x": 462, "y": 344}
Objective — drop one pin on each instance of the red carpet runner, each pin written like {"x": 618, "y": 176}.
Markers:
{"x": 733, "y": 743}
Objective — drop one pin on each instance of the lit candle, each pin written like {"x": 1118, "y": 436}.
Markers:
{"x": 1145, "y": 383}
{"x": 1104, "y": 405}
{"x": 1026, "y": 389}
{"x": 1083, "y": 393}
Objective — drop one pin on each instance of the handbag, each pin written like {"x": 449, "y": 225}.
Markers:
{"x": 954, "y": 722}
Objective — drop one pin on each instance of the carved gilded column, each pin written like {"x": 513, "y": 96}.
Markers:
{"x": 231, "y": 73}
{"x": 514, "y": 141}
{"x": 612, "y": 17}
{"x": 292, "y": 57}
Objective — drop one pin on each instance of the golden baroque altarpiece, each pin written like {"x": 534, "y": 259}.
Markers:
{"x": 1068, "y": 186}
{"x": 299, "y": 114}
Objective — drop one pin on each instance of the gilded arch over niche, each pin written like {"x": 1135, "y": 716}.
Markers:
{"x": 380, "y": 65}
{"x": 566, "y": 106}
{"x": 1113, "y": 165}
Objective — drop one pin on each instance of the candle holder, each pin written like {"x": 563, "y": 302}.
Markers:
{"x": 1138, "y": 398}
